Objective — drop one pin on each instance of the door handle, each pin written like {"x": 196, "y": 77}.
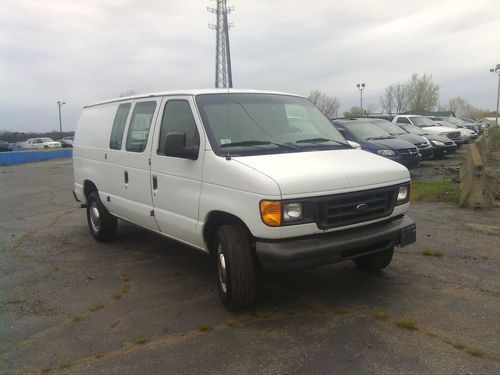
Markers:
{"x": 125, "y": 174}
{"x": 155, "y": 183}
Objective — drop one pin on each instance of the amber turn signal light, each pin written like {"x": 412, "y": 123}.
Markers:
{"x": 270, "y": 212}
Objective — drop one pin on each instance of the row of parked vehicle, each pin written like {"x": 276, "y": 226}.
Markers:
{"x": 409, "y": 139}
{"x": 42, "y": 143}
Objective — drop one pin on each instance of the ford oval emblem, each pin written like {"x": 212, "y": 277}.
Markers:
{"x": 361, "y": 207}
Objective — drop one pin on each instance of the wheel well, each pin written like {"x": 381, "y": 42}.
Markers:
{"x": 215, "y": 220}
{"x": 88, "y": 187}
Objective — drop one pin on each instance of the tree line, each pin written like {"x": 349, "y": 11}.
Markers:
{"x": 419, "y": 93}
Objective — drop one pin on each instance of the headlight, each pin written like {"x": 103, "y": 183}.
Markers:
{"x": 403, "y": 194}
{"x": 292, "y": 211}
{"x": 437, "y": 143}
{"x": 280, "y": 213}
{"x": 386, "y": 153}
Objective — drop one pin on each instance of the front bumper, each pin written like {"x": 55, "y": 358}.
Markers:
{"x": 426, "y": 152}
{"x": 335, "y": 247}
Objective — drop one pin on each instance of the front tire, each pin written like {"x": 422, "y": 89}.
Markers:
{"x": 376, "y": 261}
{"x": 236, "y": 268}
{"x": 102, "y": 224}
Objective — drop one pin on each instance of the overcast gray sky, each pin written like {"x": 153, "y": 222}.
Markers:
{"x": 85, "y": 51}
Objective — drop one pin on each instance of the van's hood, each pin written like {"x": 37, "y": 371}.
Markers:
{"x": 326, "y": 172}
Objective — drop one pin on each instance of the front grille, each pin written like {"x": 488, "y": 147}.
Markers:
{"x": 408, "y": 153}
{"x": 421, "y": 145}
{"x": 454, "y": 135}
{"x": 350, "y": 208}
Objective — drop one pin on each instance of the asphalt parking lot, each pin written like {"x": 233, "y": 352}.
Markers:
{"x": 147, "y": 305}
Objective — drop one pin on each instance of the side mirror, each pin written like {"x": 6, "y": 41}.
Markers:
{"x": 175, "y": 145}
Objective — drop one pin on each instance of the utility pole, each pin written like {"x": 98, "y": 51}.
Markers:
{"x": 223, "y": 75}
{"x": 497, "y": 70}
{"x": 361, "y": 87}
{"x": 59, "y": 104}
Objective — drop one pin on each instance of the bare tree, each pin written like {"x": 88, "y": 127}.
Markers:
{"x": 401, "y": 97}
{"x": 396, "y": 98}
{"x": 423, "y": 93}
{"x": 461, "y": 107}
{"x": 370, "y": 109}
{"x": 329, "y": 105}
{"x": 387, "y": 101}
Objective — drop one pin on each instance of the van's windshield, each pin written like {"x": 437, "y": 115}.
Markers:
{"x": 250, "y": 124}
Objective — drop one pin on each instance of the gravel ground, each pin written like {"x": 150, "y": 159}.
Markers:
{"x": 147, "y": 305}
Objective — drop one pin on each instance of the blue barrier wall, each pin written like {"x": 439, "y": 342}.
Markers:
{"x": 18, "y": 157}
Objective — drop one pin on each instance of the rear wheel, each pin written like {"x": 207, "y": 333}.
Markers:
{"x": 102, "y": 224}
{"x": 375, "y": 261}
{"x": 235, "y": 265}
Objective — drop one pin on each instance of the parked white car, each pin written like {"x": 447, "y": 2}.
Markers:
{"x": 430, "y": 126}
{"x": 259, "y": 179}
{"x": 467, "y": 134}
{"x": 40, "y": 143}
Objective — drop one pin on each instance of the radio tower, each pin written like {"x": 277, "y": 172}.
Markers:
{"x": 223, "y": 76}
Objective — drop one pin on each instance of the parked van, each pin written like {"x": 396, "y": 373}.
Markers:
{"x": 259, "y": 179}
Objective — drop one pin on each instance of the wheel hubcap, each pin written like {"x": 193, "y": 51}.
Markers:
{"x": 221, "y": 265}
{"x": 95, "y": 218}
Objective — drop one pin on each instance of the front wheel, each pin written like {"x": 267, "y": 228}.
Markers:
{"x": 235, "y": 265}
{"x": 102, "y": 224}
{"x": 376, "y": 261}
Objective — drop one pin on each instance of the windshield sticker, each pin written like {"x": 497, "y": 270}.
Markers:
{"x": 224, "y": 141}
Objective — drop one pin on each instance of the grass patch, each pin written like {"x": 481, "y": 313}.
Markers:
{"x": 64, "y": 365}
{"x": 117, "y": 296}
{"x": 380, "y": 315}
{"x": 263, "y": 314}
{"x": 407, "y": 324}
{"x": 125, "y": 289}
{"x": 46, "y": 370}
{"x": 243, "y": 318}
{"x": 94, "y": 308}
{"x": 99, "y": 355}
{"x": 475, "y": 353}
{"x": 432, "y": 253}
{"x": 204, "y": 328}
{"x": 231, "y": 322}
{"x": 340, "y": 311}
{"x": 124, "y": 277}
{"x": 76, "y": 319}
{"x": 496, "y": 138}
{"x": 141, "y": 340}
{"x": 434, "y": 191}
{"x": 459, "y": 346}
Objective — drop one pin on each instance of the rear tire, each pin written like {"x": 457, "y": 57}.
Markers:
{"x": 102, "y": 224}
{"x": 376, "y": 261}
{"x": 235, "y": 265}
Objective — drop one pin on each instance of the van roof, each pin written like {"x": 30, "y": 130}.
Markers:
{"x": 192, "y": 92}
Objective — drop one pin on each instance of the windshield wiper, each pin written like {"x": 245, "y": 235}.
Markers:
{"x": 321, "y": 140}
{"x": 257, "y": 143}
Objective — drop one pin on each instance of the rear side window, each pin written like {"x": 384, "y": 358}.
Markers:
{"x": 178, "y": 118}
{"x": 138, "y": 131}
{"x": 403, "y": 120}
{"x": 115, "y": 143}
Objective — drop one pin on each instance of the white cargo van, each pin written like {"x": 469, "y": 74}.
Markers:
{"x": 259, "y": 179}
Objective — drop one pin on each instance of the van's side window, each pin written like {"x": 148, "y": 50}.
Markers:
{"x": 115, "y": 142}
{"x": 138, "y": 131}
{"x": 178, "y": 118}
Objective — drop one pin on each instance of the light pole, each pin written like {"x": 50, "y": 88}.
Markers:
{"x": 361, "y": 87}
{"x": 59, "y": 104}
{"x": 497, "y": 70}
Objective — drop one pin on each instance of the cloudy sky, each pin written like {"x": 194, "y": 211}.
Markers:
{"x": 85, "y": 51}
